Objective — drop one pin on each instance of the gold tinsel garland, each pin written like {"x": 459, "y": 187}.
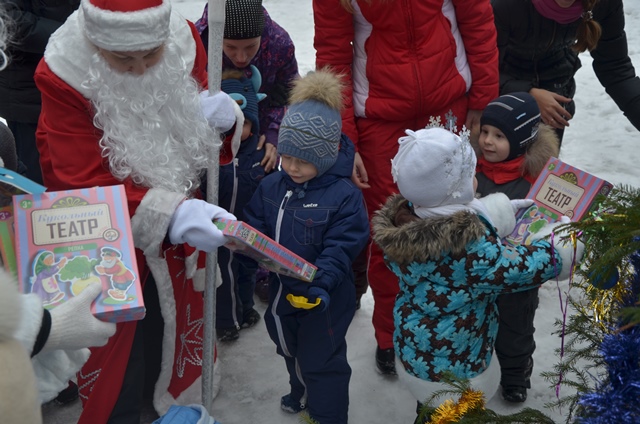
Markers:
{"x": 450, "y": 412}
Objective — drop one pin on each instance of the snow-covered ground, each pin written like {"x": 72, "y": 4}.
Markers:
{"x": 600, "y": 140}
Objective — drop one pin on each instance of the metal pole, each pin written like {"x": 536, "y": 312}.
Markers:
{"x": 216, "y": 31}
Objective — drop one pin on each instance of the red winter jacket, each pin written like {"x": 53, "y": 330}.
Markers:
{"x": 409, "y": 57}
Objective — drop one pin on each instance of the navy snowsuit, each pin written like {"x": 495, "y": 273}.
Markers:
{"x": 238, "y": 181}
{"x": 325, "y": 222}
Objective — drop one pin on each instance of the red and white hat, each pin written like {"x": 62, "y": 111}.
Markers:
{"x": 125, "y": 25}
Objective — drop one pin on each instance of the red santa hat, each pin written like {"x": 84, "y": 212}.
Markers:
{"x": 125, "y": 25}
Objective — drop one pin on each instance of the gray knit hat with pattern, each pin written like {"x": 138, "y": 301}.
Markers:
{"x": 312, "y": 126}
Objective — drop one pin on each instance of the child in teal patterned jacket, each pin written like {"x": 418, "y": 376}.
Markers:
{"x": 445, "y": 247}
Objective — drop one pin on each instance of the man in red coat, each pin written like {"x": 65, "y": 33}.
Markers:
{"x": 124, "y": 102}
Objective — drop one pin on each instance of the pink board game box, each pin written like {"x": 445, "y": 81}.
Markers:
{"x": 560, "y": 189}
{"x": 271, "y": 255}
{"x": 66, "y": 240}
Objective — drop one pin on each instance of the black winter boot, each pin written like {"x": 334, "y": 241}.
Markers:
{"x": 386, "y": 361}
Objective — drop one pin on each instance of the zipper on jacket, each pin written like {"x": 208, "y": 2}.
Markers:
{"x": 284, "y": 202}
{"x": 234, "y": 193}
{"x": 276, "y": 301}
{"x": 414, "y": 50}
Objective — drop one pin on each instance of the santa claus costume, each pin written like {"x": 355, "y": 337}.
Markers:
{"x": 106, "y": 123}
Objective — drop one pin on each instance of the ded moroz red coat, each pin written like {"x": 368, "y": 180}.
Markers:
{"x": 71, "y": 158}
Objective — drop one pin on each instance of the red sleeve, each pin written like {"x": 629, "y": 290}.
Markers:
{"x": 334, "y": 34}
{"x": 68, "y": 141}
{"x": 200, "y": 74}
{"x": 477, "y": 27}
{"x": 199, "y": 71}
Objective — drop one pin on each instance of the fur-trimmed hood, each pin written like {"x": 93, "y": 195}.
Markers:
{"x": 405, "y": 238}
{"x": 537, "y": 155}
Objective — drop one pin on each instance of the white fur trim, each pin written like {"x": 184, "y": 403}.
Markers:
{"x": 151, "y": 221}
{"x": 500, "y": 212}
{"x": 200, "y": 276}
{"x": 160, "y": 271}
{"x": 125, "y": 31}
{"x": 237, "y": 134}
{"x": 162, "y": 399}
{"x": 69, "y": 52}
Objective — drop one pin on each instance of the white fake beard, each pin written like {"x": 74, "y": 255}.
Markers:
{"x": 154, "y": 131}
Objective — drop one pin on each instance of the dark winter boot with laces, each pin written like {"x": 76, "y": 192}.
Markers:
{"x": 386, "y": 361}
{"x": 515, "y": 394}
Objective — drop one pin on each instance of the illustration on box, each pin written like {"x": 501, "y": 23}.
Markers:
{"x": 55, "y": 280}
{"x": 68, "y": 240}
{"x": 561, "y": 189}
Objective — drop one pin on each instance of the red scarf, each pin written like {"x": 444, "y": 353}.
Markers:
{"x": 551, "y": 10}
{"x": 504, "y": 172}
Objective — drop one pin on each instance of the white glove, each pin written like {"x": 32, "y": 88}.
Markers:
{"x": 192, "y": 223}
{"x": 219, "y": 109}
{"x": 518, "y": 204}
{"x": 73, "y": 326}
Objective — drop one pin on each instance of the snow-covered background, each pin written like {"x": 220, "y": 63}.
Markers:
{"x": 600, "y": 140}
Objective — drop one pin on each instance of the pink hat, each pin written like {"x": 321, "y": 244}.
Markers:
{"x": 125, "y": 25}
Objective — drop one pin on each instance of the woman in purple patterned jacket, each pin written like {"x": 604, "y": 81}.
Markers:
{"x": 251, "y": 37}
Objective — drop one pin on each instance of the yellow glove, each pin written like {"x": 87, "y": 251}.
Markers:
{"x": 302, "y": 302}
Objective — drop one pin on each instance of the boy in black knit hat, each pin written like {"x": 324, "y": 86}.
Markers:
{"x": 514, "y": 146}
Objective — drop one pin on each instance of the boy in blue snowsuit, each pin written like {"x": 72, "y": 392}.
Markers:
{"x": 312, "y": 208}
{"x": 238, "y": 181}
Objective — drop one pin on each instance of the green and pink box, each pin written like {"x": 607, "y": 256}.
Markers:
{"x": 66, "y": 240}
{"x": 271, "y": 255}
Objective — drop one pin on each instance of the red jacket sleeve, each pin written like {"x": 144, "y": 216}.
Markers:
{"x": 477, "y": 27}
{"x": 199, "y": 71}
{"x": 200, "y": 74}
{"x": 334, "y": 34}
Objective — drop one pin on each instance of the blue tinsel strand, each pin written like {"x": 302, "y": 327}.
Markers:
{"x": 616, "y": 401}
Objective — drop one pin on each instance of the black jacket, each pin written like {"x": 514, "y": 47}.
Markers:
{"x": 32, "y": 22}
{"x": 535, "y": 52}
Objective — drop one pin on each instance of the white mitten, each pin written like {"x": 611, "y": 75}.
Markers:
{"x": 191, "y": 223}
{"x": 73, "y": 326}
{"x": 518, "y": 204}
{"x": 219, "y": 109}
{"x": 501, "y": 214}
{"x": 564, "y": 248}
